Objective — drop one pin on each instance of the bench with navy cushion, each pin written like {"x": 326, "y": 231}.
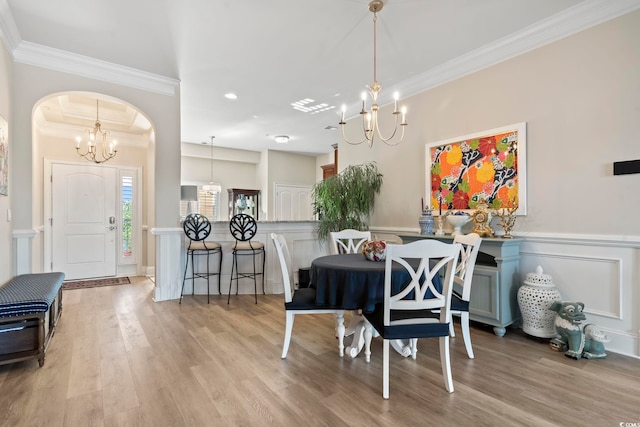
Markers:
{"x": 30, "y": 305}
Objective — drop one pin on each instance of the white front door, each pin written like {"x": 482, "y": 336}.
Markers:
{"x": 84, "y": 221}
{"x": 293, "y": 203}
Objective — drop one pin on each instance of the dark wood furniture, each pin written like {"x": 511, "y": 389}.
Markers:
{"x": 332, "y": 168}
{"x": 30, "y": 309}
{"x": 328, "y": 171}
{"x": 243, "y": 201}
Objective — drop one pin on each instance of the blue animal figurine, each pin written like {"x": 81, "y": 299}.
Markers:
{"x": 575, "y": 340}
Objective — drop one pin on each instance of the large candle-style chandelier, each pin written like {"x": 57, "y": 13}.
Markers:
{"x": 92, "y": 152}
{"x": 370, "y": 123}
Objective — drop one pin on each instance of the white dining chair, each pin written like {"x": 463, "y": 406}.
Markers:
{"x": 301, "y": 301}
{"x": 470, "y": 246}
{"x": 348, "y": 241}
{"x": 407, "y": 311}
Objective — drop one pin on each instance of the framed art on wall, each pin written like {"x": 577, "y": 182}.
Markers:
{"x": 4, "y": 159}
{"x": 489, "y": 165}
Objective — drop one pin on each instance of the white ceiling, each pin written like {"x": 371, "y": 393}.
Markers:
{"x": 273, "y": 53}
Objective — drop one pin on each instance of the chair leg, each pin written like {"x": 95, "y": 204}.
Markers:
{"x": 238, "y": 275}
{"x": 466, "y": 334}
{"x": 287, "y": 333}
{"x": 233, "y": 267}
{"x": 255, "y": 281}
{"x": 220, "y": 272}
{"x": 208, "y": 277}
{"x": 340, "y": 332}
{"x": 193, "y": 274}
{"x": 385, "y": 369}
{"x": 452, "y": 332}
{"x": 445, "y": 361}
{"x": 184, "y": 278}
{"x": 367, "y": 341}
{"x": 264, "y": 259}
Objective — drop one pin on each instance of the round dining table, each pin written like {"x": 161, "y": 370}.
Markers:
{"x": 352, "y": 282}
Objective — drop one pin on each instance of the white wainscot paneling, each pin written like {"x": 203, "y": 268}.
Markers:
{"x": 598, "y": 272}
{"x": 595, "y": 281}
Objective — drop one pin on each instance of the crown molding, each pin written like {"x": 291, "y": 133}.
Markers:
{"x": 84, "y": 66}
{"x": 563, "y": 24}
{"x": 59, "y": 60}
{"x": 8, "y": 29}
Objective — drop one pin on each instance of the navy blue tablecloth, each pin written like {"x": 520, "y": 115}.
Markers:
{"x": 352, "y": 282}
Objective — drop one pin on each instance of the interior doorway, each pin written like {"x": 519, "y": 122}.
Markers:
{"x": 293, "y": 203}
{"x": 94, "y": 216}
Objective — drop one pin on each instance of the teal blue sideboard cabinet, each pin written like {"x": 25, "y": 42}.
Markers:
{"x": 496, "y": 280}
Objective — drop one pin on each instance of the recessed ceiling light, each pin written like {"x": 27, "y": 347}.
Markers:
{"x": 281, "y": 139}
{"x": 330, "y": 127}
{"x": 231, "y": 95}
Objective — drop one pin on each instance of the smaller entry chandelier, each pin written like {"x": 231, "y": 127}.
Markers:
{"x": 370, "y": 117}
{"x": 92, "y": 152}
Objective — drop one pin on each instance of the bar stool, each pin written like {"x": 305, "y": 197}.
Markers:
{"x": 243, "y": 228}
{"x": 197, "y": 228}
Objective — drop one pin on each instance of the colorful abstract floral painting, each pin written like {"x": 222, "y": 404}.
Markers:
{"x": 485, "y": 166}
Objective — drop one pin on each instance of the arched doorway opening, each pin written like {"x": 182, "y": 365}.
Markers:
{"x": 93, "y": 216}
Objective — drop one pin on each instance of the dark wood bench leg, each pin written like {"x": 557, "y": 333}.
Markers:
{"x": 41, "y": 341}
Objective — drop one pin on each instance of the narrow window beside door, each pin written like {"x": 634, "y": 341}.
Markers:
{"x": 127, "y": 217}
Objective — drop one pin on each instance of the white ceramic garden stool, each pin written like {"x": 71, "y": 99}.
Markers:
{"x": 534, "y": 298}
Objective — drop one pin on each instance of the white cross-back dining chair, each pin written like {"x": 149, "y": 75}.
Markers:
{"x": 301, "y": 301}
{"x": 470, "y": 246}
{"x": 348, "y": 241}
{"x": 407, "y": 310}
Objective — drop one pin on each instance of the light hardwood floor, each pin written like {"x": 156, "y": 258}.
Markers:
{"x": 120, "y": 359}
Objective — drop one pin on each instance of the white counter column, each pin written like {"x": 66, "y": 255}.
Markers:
{"x": 168, "y": 277}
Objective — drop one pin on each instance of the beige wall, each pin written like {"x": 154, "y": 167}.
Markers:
{"x": 580, "y": 97}
{"x": 228, "y": 174}
{"x": 258, "y": 171}
{"x": 32, "y": 84}
{"x": 6, "y": 238}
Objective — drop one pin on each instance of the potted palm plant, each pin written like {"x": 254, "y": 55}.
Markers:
{"x": 346, "y": 200}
